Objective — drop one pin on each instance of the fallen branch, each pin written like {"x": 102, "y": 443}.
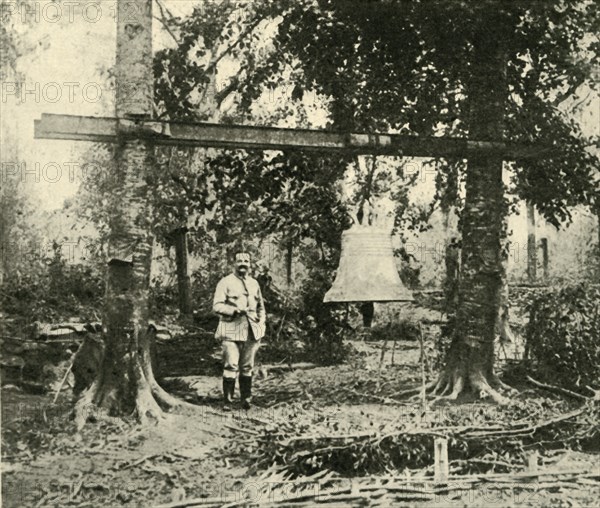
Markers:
{"x": 287, "y": 366}
{"x": 531, "y": 428}
{"x": 233, "y": 416}
{"x": 389, "y": 488}
{"x": 142, "y": 460}
{"x": 239, "y": 429}
{"x": 391, "y": 445}
{"x": 557, "y": 389}
{"x": 385, "y": 400}
{"x": 66, "y": 375}
{"x": 357, "y": 435}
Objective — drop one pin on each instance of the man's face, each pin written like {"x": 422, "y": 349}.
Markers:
{"x": 242, "y": 263}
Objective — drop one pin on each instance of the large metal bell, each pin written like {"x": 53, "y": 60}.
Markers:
{"x": 367, "y": 270}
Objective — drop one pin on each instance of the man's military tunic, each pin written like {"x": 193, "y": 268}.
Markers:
{"x": 240, "y": 334}
{"x": 234, "y": 292}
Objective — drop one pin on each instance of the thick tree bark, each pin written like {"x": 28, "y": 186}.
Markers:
{"x": 470, "y": 361}
{"x": 125, "y": 384}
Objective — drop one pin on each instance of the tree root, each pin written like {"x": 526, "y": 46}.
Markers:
{"x": 498, "y": 384}
{"x": 150, "y": 398}
{"x": 437, "y": 388}
{"x": 412, "y": 391}
{"x": 167, "y": 399}
{"x": 450, "y": 385}
{"x": 448, "y": 389}
{"x": 441, "y": 383}
{"x": 458, "y": 383}
{"x": 164, "y": 398}
{"x": 147, "y": 408}
{"x": 479, "y": 383}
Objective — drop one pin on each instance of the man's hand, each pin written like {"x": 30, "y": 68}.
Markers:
{"x": 239, "y": 312}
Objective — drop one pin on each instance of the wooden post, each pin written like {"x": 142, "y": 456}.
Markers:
{"x": 531, "y": 244}
{"x": 531, "y": 462}
{"x": 87, "y": 128}
{"x": 440, "y": 474}
{"x": 422, "y": 362}
{"x": 544, "y": 247}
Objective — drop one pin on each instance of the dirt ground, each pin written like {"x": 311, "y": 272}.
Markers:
{"x": 207, "y": 453}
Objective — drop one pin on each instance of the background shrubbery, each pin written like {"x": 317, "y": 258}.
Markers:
{"x": 563, "y": 336}
{"x": 52, "y": 289}
{"x": 563, "y": 333}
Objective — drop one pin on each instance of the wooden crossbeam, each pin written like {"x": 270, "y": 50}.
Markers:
{"x": 109, "y": 130}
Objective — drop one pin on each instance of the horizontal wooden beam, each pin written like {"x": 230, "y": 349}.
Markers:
{"x": 109, "y": 130}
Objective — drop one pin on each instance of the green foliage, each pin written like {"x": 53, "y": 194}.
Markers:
{"x": 407, "y": 66}
{"x": 162, "y": 297}
{"x": 280, "y": 195}
{"x": 325, "y": 328}
{"x": 180, "y": 194}
{"x": 563, "y": 335}
{"x": 54, "y": 290}
{"x": 12, "y": 41}
{"x": 17, "y": 236}
{"x": 284, "y": 337}
{"x": 185, "y": 87}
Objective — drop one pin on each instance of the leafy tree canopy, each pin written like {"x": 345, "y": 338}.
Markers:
{"x": 405, "y": 65}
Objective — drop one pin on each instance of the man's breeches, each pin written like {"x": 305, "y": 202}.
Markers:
{"x": 238, "y": 356}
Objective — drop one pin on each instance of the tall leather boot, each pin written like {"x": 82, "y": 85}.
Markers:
{"x": 246, "y": 391}
{"x": 228, "y": 391}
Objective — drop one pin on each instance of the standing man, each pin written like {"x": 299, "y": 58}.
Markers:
{"x": 239, "y": 303}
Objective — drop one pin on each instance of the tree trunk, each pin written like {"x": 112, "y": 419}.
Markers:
{"x": 598, "y": 217}
{"x": 470, "y": 360}
{"x": 544, "y": 247}
{"x": 183, "y": 276}
{"x": 208, "y": 111}
{"x": 531, "y": 244}
{"x": 125, "y": 384}
{"x": 289, "y": 261}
